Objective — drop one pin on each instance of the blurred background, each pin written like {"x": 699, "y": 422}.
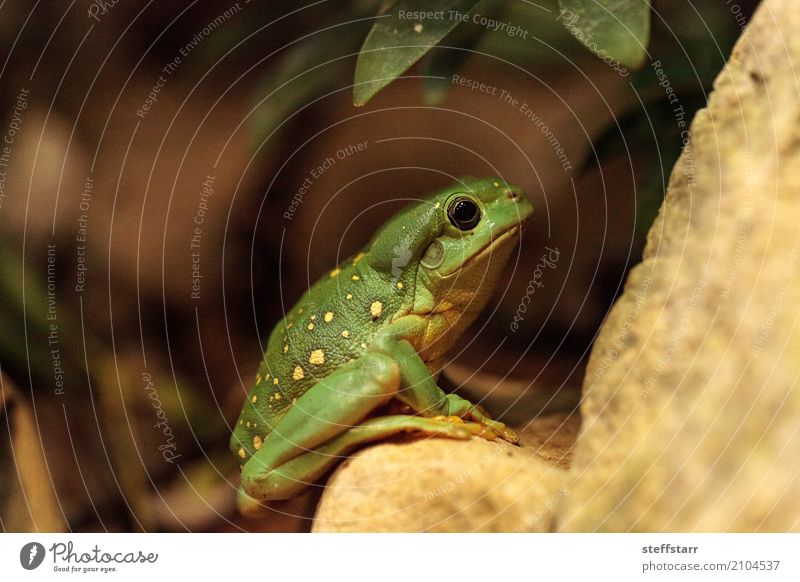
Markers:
{"x": 174, "y": 177}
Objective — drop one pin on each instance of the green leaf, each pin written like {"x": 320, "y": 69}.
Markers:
{"x": 615, "y": 29}
{"x": 401, "y": 37}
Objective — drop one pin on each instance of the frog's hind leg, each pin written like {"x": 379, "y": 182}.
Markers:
{"x": 332, "y": 405}
{"x": 292, "y": 477}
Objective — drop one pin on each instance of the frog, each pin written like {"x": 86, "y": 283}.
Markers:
{"x": 357, "y": 359}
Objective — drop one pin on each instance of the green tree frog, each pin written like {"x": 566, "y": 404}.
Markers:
{"x": 366, "y": 340}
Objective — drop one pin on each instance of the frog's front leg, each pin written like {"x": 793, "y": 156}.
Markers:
{"x": 327, "y": 422}
{"x": 418, "y": 387}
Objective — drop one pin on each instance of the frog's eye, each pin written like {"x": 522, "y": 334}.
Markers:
{"x": 463, "y": 213}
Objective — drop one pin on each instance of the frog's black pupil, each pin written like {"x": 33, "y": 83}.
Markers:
{"x": 464, "y": 214}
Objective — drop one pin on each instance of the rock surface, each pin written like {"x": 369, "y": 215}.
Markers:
{"x": 690, "y": 417}
{"x": 445, "y": 485}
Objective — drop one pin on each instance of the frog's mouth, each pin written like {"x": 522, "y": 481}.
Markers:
{"x": 488, "y": 248}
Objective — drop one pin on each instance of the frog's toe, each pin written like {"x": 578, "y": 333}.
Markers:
{"x": 492, "y": 430}
{"x": 504, "y": 432}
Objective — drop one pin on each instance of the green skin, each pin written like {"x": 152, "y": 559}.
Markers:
{"x": 370, "y": 335}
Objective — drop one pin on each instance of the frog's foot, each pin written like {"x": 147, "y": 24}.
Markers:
{"x": 500, "y": 429}
{"x": 419, "y": 390}
{"x": 462, "y": 408}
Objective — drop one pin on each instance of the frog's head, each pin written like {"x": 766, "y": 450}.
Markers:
{"x": 451, "y": 247}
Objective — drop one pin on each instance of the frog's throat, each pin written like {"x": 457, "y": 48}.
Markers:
{"x": 486, "y": 250}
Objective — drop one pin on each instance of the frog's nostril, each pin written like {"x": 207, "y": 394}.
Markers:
{"x": 512, "y": 195}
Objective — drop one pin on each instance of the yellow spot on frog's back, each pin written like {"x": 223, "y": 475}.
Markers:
{"x": 310, "y": 326}
{"x": 248, "y": 424}
{"x": 358, "y": 257}
{"x": 335, "y": 272}
{"x": 298, "y": 373}
{"x": 258, "y": 379}
{"x": 345, "y": 333}
{"x": 317, "y": 358}
{"x": 313, "y": 317}
{"x": 275, "y": 381}
{"x": 289, "y": 326}
{"x": 277, "y": 396}
{"x": 241, "y": 422}
{"x": 254, "y": 398}
{"x": 496, "y": 184}
{"x": 399, "y": 284}
{"x": 376, "y": 309}
{"x": 257, "y": 442}
{"x": 355, "y": 278}
{"x": 285, "y": 348}
{"x": 418, "y": 27}
{"x": 242, "y": 454}
{"x": 438, "y": 205}
{"x": 300, "y": 310}
{"x": 349, "y": 296}
{"x": 328, "y": 316}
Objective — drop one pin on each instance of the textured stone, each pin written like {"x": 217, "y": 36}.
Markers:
{"x": 446, "y": 485}
{"x": 690, "y": 417}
